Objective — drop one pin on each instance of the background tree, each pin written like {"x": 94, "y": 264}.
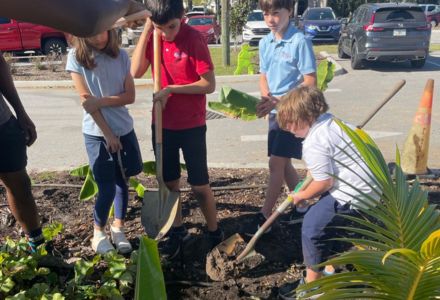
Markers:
{"x": 239, "y": 12}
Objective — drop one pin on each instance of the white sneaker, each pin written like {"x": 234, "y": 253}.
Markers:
{"x": 118, "y": 237}
{"x": 101, "y": 244}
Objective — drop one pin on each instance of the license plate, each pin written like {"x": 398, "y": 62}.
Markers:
{"x": 399, "y": 32}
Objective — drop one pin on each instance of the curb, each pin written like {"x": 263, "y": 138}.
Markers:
{"x": 137, "y": 82}
{"x": 339, "y": 70}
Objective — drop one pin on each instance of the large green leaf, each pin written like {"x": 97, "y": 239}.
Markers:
{"x": 236, "y": 104}
{"x": 239, "y": 105}
{"x": 400, "y": 235}
{"x": 324, "y": 73}
{"x": 89, "y": 188}
{"x": 80, "y": 171}
{"x": 150, "y": 283}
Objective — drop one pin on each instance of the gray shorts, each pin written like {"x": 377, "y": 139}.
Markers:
{"x": 12, "y": 147}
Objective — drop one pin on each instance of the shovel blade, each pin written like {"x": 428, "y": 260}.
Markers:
{"x": 159, "y": 210}
{"x": 228, "y": 245}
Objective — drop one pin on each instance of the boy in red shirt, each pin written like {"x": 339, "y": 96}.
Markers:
{"x": 187, "y": 75}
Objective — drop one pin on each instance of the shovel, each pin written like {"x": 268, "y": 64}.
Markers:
{"x": 160, "y": 207}
{"x": 249, "y": 250}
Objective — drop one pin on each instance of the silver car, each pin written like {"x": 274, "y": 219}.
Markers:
{"x": 387, "y": 32}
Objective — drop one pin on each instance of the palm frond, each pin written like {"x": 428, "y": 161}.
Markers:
{"x": 400, "y": 235}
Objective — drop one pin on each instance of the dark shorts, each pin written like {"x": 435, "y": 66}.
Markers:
{"x": 318, "y": 229}
{"x": 284, "y": 144}
{"x": 104, "y": 164}
{"x": 193, "y": 144}
{"x": 12, "y": 147}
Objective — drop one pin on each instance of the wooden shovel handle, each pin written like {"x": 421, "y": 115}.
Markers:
{"x": 394, "y": 91}
{"x": 269, "y": 222}
{"x": 157, "y": 85}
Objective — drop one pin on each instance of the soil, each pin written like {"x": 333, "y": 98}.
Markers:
{"x": 47, "y": 68}
{"x": 186, "y": 276}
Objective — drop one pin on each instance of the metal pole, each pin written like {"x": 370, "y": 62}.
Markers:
{"x": 226, "y": 50}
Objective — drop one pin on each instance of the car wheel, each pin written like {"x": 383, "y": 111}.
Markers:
{"x": 419, "y": 63}
{"x": 341, "y": 53}
{"x": 356, "y": 62}
{"x": 55, "y": 46}
{"x": 433, "y": 23}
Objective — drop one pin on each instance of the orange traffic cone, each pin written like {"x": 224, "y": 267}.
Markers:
{"x": 415, "y": 150}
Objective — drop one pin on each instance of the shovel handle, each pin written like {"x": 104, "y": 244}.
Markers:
{"x": 157, "y": 85}
{"x": 391, "y": 94}
{"x": 270, "y": 220}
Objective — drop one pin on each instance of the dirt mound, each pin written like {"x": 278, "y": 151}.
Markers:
{"x": 221, "y": 263}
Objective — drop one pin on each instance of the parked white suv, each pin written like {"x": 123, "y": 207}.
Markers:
{"x": 255, "y": 28}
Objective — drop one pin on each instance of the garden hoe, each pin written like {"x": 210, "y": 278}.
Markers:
{"x": 160, "y": 207}
{"x": 228, "y": 246}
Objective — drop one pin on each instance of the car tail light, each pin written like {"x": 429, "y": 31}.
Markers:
{"x": 424, "y": 28}
{"x": 370, "y": 26}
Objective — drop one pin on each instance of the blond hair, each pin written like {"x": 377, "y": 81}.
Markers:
{"x": 302, "y": 105}
{"x": 84, "y": 50}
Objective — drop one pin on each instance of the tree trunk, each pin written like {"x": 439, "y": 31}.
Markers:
{"x": 226, "y": 50}
{"x": 190, "y": 5}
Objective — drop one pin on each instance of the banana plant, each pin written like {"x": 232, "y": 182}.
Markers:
{"x": 398, "y": 238}
{"x": 240, "y": 105}
{"x": 89, "y": 188}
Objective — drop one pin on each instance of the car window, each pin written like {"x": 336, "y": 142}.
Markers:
{"x": 255, "y": 16}
{"x": 4, "y": 20}
{"x": 317, "y": 14}
{"x": 199, "y": 21}
{"x": 431, "y": 7}
{"x": 400, "y": 14}
{"x": 364, "y": 16}
{"x": 354, "y": 16}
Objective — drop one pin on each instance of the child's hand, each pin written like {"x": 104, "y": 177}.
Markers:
{"x": 298, "y": 200}
{"x": 28, "y": 127}
{"x": 113, "y": 143}
{"x": 90, "y": 103}
{"x": 162, "y": 96}
{"x": 266, "y": 104}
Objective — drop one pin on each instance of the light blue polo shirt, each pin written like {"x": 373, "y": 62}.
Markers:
{"x": 106, "y": 79}
{"x": 285, "y": 61}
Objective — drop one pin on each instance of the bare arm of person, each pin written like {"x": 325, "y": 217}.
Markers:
{"x": 205, "y": 85}
{"x": 7, "y": 88}
{"x": 139, "y": 63}
{"x": 309, "y": 79}
{"x": 92, "y": 104}
{"x": 79, "y": 17}
{"x": 314, "y": 189}
{"x": 267, "y": 101}
{"x": 113, "y": 143}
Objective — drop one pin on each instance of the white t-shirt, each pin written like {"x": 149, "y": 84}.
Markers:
{"x": 322, "y": 150}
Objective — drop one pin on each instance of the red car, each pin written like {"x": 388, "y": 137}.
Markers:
{"x": 19, "y": 36}
{"x": 207, "y": 25}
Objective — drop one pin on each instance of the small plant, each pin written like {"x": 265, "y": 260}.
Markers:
{"x": 10, "y": 61}
{"x": 399, "y": 253}
{"x": 53, "y": 61}
{"x": 38, "y": 63}
{"x": 22, "y": 278}
{"x": 89, "y": 188}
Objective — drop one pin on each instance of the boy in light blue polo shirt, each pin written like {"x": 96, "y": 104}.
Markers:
{"x": 286, "y": 61}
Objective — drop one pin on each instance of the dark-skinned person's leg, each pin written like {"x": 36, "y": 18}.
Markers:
{"x": 22, "y": 205}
